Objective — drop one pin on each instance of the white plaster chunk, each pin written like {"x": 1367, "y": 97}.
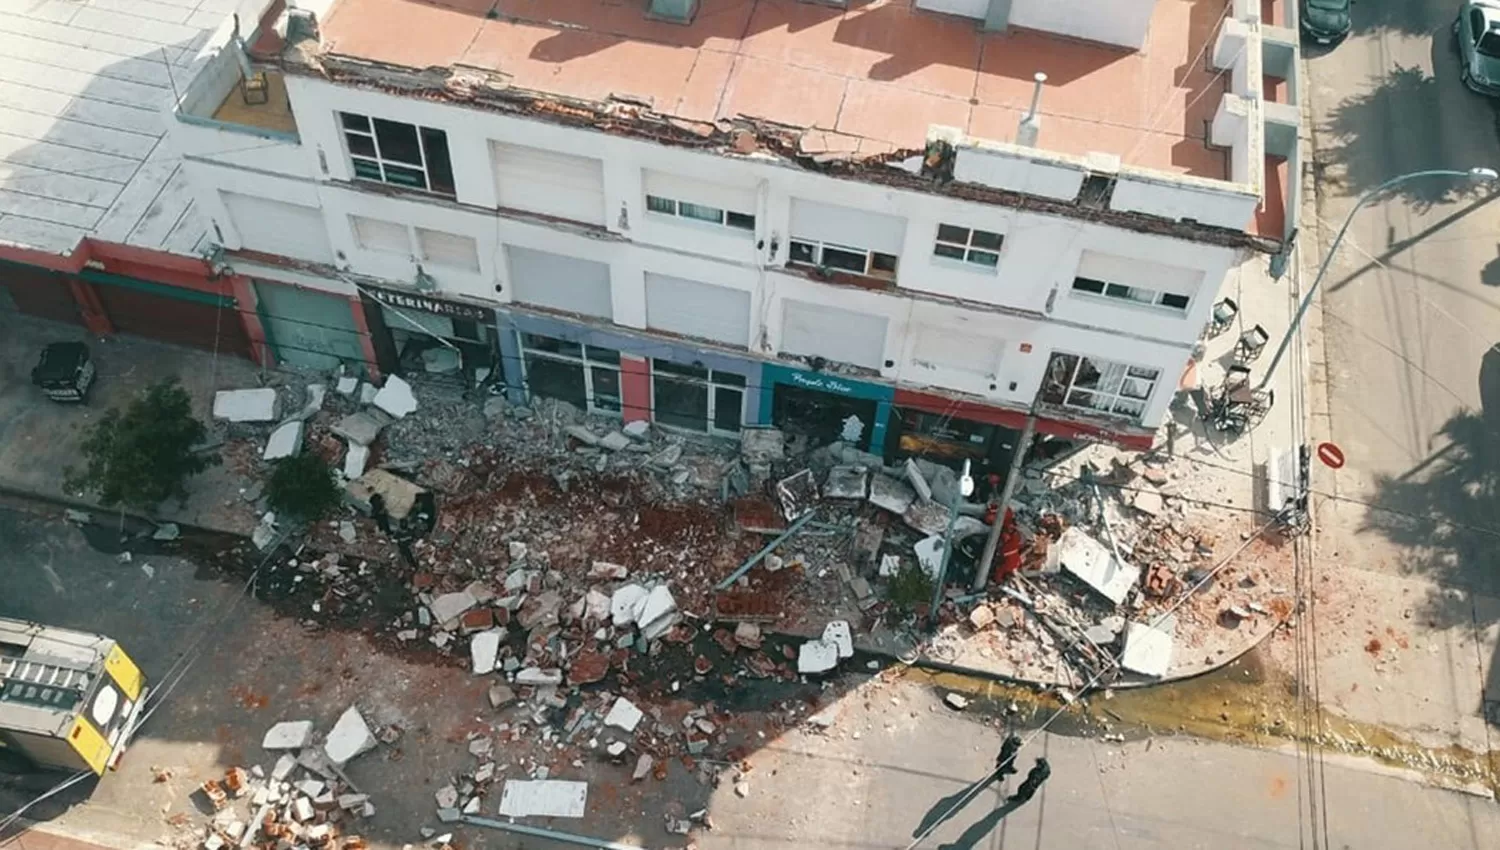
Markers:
{"x": 350, "y": 737}
{"x": 288, "y": 735}
{"x": 285, "y": 441}
{"x": 257, "y": 405}
{"x": 396, "y": 398}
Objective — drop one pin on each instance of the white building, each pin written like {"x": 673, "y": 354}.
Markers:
{"x": 713, "y": 213}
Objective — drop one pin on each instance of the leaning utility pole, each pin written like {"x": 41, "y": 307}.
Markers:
{"x": 1012, "y": 478}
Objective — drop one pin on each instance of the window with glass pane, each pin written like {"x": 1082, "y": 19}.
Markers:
{"x": 439, "y": 166}
{"x": 882, "y": 264}
{"x": 661, "y": 205}
{"x": 606, "y": 386}
{"x": 537, "y": 342}
{"x": 729, "y": 406}
{"x": 979, "y": 247}
{"x": 712, "y": 215}
{"x": 558, "y": 379}
{"x": 680, "y": 403}
{"x": 728, "y": 378}
{"x": 842, "y": 258}
{"x": 595, "y": 354}
{"x": 741, "y": 221}
{"x": 685, "y": 371}
{"x": 1098, "y": 385}
{"x": 1176, "y": 302}
{"x": 804, "y": 252}
{"x": 398, "y": 142}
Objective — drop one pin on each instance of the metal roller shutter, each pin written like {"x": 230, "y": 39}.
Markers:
{"x": 202, "y": 321}
{"x": 847, "y": 226}
{"x": 276, "y": 227}
{"x": 816, "y": 330}
{"x": 559, "y": 283}
{"x": 557, "y": 184}
{"x": 39, "y": 292}
{"x": 449, "y": 250}
{"x": 695, "y": 309}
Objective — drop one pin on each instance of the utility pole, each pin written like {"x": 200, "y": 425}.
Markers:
{"x": 1012, "y": 478}
{"x": 965, "y": 487}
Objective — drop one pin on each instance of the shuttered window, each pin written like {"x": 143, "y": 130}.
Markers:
{"x": 551, "y": 183}
{"x": 700, "y": 310}
{"x": 374, "y": 234}
{"x": 557, "y": 282}
{"x": 844, "y": 336}
{"x": 448, "y": 249}
{"x": 276, "y": 227}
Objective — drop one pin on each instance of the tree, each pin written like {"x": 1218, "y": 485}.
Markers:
{"x": 139, "y": 457}
{"x": 302, "y": 487}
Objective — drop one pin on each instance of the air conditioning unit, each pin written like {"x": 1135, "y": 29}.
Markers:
{"x": 676, "y": 11}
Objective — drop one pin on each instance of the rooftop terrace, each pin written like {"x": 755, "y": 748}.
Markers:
{"x": 872, "y": 77}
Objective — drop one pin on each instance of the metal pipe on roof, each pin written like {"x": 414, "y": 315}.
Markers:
{"x": 1031, "y": 125}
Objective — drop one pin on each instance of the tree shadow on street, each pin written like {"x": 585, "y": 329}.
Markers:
{"x": 1407, "y": 17}
{"x": 1364, "y": 143}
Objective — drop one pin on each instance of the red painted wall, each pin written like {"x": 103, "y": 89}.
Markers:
{"x": 635, "y": 388}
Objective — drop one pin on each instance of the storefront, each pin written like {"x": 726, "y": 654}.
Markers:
{"x": 824, "y": 407}
{"x": 950, "y": 431}
{"x": 308, "y": 328}
{"x": 417, "y": 332}
{"x": 673, "y": 384}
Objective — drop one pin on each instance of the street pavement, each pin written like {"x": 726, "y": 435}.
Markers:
{"x": 1409, "y": 540}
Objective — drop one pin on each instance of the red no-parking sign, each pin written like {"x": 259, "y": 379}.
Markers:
{"x": 1331, "y": 455}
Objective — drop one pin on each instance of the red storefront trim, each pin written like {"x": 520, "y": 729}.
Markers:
{"x": 635, "y": 389}
{"x": 1005, "y": 417}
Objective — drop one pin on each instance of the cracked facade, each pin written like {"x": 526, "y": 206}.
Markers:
{"x": 864, "y": 223}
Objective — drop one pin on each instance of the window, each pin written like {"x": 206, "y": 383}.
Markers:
{"x": 1137, "y": 294}
{"x": 450, "y": 250}
{"x": 585, "y": 376}
{"x": 399, "y": 154}
{"x": 373, "y": 234}
{"x": 1100, "y": 386}
{"x": 854, "y": 260}
{"x": 700, "y": 212}
{"x": 695, "y": 398}
{"x": 979, "y": 247}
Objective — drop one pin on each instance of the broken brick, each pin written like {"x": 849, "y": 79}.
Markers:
{"x": 588, "y": 667}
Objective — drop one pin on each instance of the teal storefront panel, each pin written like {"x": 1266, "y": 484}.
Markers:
{"x": 775, "y": 377}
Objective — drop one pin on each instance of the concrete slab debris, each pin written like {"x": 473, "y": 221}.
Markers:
{"x": 981, "y": 617}
{"x": 637, "y": 429}
{"x": 539, "y": 676}
{"x": 1148, "y": 500}
{"x": 395, "y": 398}
{"x": 355, "y": 461}
{"x": 359, "y": 428}
{"x": 483, "y": 649}
{"x": 817, "y": 656}
{"x": 623, "y": 715}
{"x": 748, "y": 635}
{"x": 399, "y": 494}
{"x": 890, "y": 494}
{"x": 501, "y": 696}
{"x": 642, "y": 768}
{"x": 658, "y": 613}
{"x": 349, "y": 737}
{"x": 957, "y": 702}
{"x": 347, "y": 385}
{"x": 918, "y": 480}
{"x": 797, "y": 493}
{"x": 288, "y": 735}
{"x": 1094, "y": 564}
{"x": 367, "y": 393}
{"x": 347, "y": 532}
{"x": 167, "y": 532}
{"x": 606, "y": 570}
{"x": 285, "y": 441}
{"x": 839, "y": 634}
{"x": 446, "y": 797}
{"x": 846, "y": 482}
{"x": 552, "y": 798}
{"x": 582, "y": 434}
{"x": 258, "y": 405}
{"x": 614, "y": 441}
{"x": 929, "y": 554}
{"x": 450, "y": 606}
{"x": 623, "y": 603}
{"x": 1148, "y": 650}
{"x": 596, "y": 607}
{"x": 285, "y": 764}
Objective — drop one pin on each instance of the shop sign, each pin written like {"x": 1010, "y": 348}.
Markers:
{"x": 824, "y": 382}
{"x": 436, "y": 306}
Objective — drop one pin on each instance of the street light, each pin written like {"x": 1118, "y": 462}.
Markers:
{"x": 965, "y": 489}
{"x": 1477, "y": 175}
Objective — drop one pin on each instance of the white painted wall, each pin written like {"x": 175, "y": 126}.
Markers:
{"x": 1040, "y": 254}
{"x": 1122, "y": 22}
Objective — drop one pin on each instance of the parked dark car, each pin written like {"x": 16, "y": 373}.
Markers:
{"x": 1325, "y": 21}
{"x": 65, "y": 372}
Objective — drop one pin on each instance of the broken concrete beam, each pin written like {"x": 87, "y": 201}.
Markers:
{"x": 623, "y": 715}
{"x": 288, "y": 735}
{"x": 484, "y": 647}
{"x": 349, "y": 737}
{"x": 285, "y": 441}
{"x": 361, "y": 428}
{"x": 258, "y": 405}
{"x": 395, "y": 398}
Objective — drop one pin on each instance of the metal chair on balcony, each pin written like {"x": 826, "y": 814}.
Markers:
{"x": 1251, "y": 344}
{"x": 1223, "y": 316}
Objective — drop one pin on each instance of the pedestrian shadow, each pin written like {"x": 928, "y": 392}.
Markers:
{"x": 982, "y": 827}
{"x": 945, "y": 807}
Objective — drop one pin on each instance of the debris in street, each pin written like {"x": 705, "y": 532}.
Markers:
{"x": 349, "y": 737}
{"x": 1148, "y": 650}
{"x": 285, "y": 441}
{"x": 258, "y": 405}
{"x": 395, "y": 397}
{"x": 288, "y": 735}
{"x": 553, "y": 798}
{"x": 957, "y": 702}
{"x": 483, "y": 648}
{"x": 817, "y": 656}
{"x": 166, "y": 532}
{"x": 623, "y": 715}
{"x": 1093, "y": 563}
{"x": 361, "y": 428}
{"x": 839, "y": 634}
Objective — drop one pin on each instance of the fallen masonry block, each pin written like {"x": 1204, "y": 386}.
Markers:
{"x": 748, "y": 635}
{"x": 399, "y": 494}
{"x": 642, "y": 768}
{"x": 448, "y": 814}
{"x": 451, "y": 606}
{"x": 538, "y": 676}
{"x": 623, "y": 715}
{"x": 288, "y": 735}
{"x": 846, "y": 482}
{"x": 637, "y": 429}
{"x": 483, "y": 649}
{"x": 500, "y": 696}
{"x": 302, "y": 809}
{"x": 553, "y": 798}
{"x": 350, "y": 737}
{"x": 616, "y": 749}
{"x": 982, "y": 616}
{"x": 360, "y": 428}
{"x": 890, "y": 494}
{"x": 347, "y": 385}
{"x": 258, "y": 405}
{"x": 596, "y": 607}
{"x": 446, "y": 797}
{"x": 355, "y": 461}
{"x": 658, "y": 614}
{"x": 284, "y": 765}
{"x": 606, "y": 570}
{"x": 623, "y": 603}
{"x": 309, "y": 787}
{"x": 582, "y": 434}
{"x": 285, "y": 441}
{"x": 957, "y": 702}
{"x": 839, "y": 634}
{"x": 817, "y": 656}
{"x": 395, "y": 398}
{"x": 614, "y": 441}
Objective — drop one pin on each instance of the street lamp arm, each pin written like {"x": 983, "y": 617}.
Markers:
{"x": 1484, "y": 174}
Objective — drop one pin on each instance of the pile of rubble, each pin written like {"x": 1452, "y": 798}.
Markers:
{"x": 305, "y": 800}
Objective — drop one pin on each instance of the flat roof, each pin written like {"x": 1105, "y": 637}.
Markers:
{"x": 82, "y": 135}
{"x": 870, "y": 79}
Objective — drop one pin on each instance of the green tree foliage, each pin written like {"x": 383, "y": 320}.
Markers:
{"x": 302, "y": 487}
{"x": 139, "y": 457}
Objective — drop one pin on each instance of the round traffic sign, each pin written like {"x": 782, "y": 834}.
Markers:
{"x": 1331, "y": 455}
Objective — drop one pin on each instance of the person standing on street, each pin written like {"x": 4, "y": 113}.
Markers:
{"x": 1033, "y": 781}
{"x": 1005, "y": 763}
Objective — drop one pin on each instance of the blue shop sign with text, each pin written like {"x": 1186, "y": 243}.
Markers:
{"x": 825, "y": 382}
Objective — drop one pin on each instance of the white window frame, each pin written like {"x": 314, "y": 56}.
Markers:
{"x": 723, "y": 219}
{"x": 1113, "y": 397}
{"x": 818, "y": 248}
{"x": 381, "y": 164}
{"x": 967, "y": 249}
{"x": 1140, "y": 296}
{"x": 588, "y": 370}
{"x": 712, "y": 387}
